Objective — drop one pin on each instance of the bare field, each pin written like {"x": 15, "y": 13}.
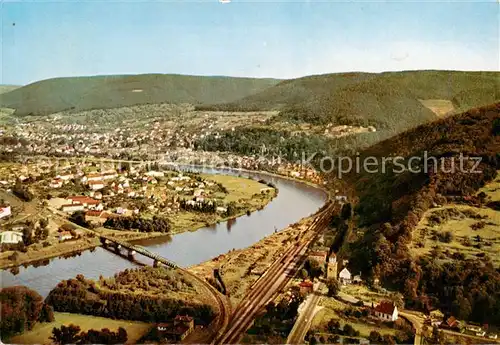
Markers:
{"x": 441, "y": 107}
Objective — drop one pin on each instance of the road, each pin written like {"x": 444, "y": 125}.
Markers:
{"x": 303, "y": 322}
{"x": 417, "y": 324}
{"x": 275, "y": 279}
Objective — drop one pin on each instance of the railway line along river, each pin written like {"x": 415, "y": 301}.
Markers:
{"x": 294, "y": 201}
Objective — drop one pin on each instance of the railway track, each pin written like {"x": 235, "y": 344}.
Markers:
{"x": 275, "y": 279}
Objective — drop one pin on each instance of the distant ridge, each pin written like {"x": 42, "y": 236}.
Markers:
{"x": 8, "y": 88}
{"x": 389, "y": 100}
{"x": 99, "y": 92}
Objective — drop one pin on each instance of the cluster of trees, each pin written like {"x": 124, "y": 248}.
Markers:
{"x": 391, "y": 206}
{"x": 85, "y": 297}
{"x": 278, "y": 319}
{"x": 155, "y": 224}
{"x": 205, "y": 206}
{"x": 266, "y": 141}
{"x": 22, "y": 192}
{"x": 21, "y": 309}
{"x": 71, "y": 335}
{"x": 335, "y": 328}
{"x": 151, "y": 280}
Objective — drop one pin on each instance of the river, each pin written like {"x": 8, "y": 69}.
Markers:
{"x": 295, "y": 200}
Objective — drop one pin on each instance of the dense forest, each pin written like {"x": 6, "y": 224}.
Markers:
{"x": 113, "y": 298}
{"x": 389, "y": 101}
{"x": 391, "y": 205}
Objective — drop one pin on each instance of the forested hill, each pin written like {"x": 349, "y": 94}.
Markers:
{"x": 392, "y": 204}
{"x": 100, "y": 92}
{"x": 390, "y": 100}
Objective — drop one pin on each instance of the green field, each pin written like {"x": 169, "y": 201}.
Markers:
{"x": 464, "y": 236}
{"x": 42, "y": 331}
{"x": 333, "y": 308}
{"x": 238, "y": 188}
{"x": 246, "y": 193}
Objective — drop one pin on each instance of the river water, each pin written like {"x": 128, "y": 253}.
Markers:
{"x": 295, "y": 200}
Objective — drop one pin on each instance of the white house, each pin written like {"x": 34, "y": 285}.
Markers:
{"x": 5, "y": 211}
{"x": 56, "y": 183}
{"x": 65, "y": 177}
{"x": 154, "y": 173}
{"x": 11, "y": 237}
{"x": 72, "y": 207}
{"x": 345, "y": 276}
{"x": 386, "y": 311}
{"x": 221, "y": 209}
{"x": 65, "y": 235}
{"x": 94, "y": 177}
{"x": 96, "y": 185}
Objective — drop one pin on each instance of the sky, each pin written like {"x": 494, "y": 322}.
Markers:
{"x": 279, "y": 39}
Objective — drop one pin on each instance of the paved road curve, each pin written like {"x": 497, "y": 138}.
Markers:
{"x": 303, "y": 322}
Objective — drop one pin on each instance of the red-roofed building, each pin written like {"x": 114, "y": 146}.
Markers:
{"x": 72, "y": 207}
{"x": 177, "y": 330}
{"x": 96, "y": 185}
{"x": 65, "y": 235}
{"x": 319, "y": 256}
{"x": 386, "y": 311}
{"x": 306, "y": 287}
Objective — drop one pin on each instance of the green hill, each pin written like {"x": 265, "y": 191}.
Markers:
{"x": 84, "y": 93}
{"x": 387, "y": 100}
{"x": 391, "y": 203}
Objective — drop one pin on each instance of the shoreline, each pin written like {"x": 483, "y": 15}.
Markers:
{"x": 80, "y": 247}
{"x": 83, "y": 244}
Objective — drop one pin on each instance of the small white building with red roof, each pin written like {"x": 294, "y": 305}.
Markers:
{"x": 386, "y": 311}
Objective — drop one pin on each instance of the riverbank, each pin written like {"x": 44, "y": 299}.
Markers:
{"x": 68, "y": 248}
{"x": 243, "y": 267}
{"x": 247, "y": 194}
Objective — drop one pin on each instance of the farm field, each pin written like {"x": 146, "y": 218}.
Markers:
{"x": 462, "y": 229}
{"x": 42, "y": 331}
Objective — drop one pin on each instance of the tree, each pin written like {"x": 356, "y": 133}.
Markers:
{"x": 47, "y": 313}
{"x": 65, "y": 334}
{"x": 398, "y": 300}
{"x": 303, "y": 274}
{"x": 27, "y": 235}
{"x": 44, "y": 222}
{"x": 350, "y": 331}
{"x": 388, "y": 339}
{"x": 78, "y": 217}
{"x": 333, "y": 287}
{"x": 20, "y": 309}
{"x": 375, "y": 337}
{"x": 496, "y": 127}
{"x": 313, "y": 268}
{"x": 346, "y": 211}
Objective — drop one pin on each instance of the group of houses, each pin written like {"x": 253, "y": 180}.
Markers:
{"x": 452, "y": 323}
{"x": 176, "y": 330}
